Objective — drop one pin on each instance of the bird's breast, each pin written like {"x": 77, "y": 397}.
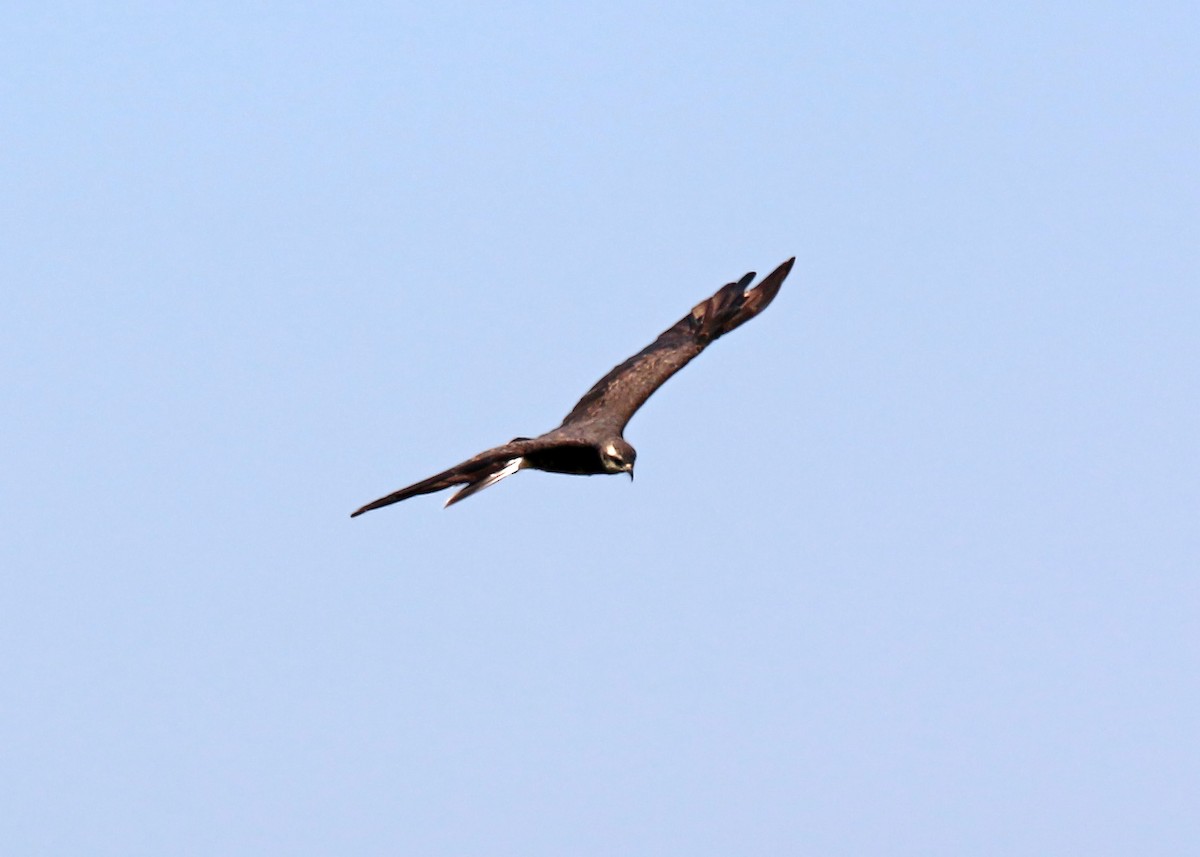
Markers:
{"x": 577, "y": 459}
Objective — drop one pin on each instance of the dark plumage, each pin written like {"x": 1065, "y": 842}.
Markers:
{"x": 590, "y": 441}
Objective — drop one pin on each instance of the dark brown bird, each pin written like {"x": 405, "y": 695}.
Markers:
{"x": 590, "y": 440}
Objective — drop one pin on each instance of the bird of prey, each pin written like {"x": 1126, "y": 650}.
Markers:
{"x": 590, "y": 440}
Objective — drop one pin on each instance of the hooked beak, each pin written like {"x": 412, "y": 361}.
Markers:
{"x": 631, "y": 473}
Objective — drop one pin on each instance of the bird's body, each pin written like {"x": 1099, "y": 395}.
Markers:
{"x": 589, "y": 441}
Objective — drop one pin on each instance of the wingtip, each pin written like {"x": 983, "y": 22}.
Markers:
{"x": 771, "y": 282}
{"x": 774, "y": 279}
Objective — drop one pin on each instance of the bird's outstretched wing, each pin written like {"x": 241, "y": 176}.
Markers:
{"x": 475, "y": 474}
{"x": 616, "y": 397}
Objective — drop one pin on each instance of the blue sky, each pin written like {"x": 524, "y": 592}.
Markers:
{"x": 911, "y": 562}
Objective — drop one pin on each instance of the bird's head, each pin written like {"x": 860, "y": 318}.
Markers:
{"x": 618, "y": 456}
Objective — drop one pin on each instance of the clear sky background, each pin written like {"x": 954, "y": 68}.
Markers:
{"x": 912, "y": 562}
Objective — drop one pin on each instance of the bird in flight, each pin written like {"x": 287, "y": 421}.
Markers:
{"x": 590, "y": 440}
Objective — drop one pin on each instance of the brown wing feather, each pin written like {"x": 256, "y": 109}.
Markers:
{"x": 615, "y": 398}
{"x": 472, "y": 473}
